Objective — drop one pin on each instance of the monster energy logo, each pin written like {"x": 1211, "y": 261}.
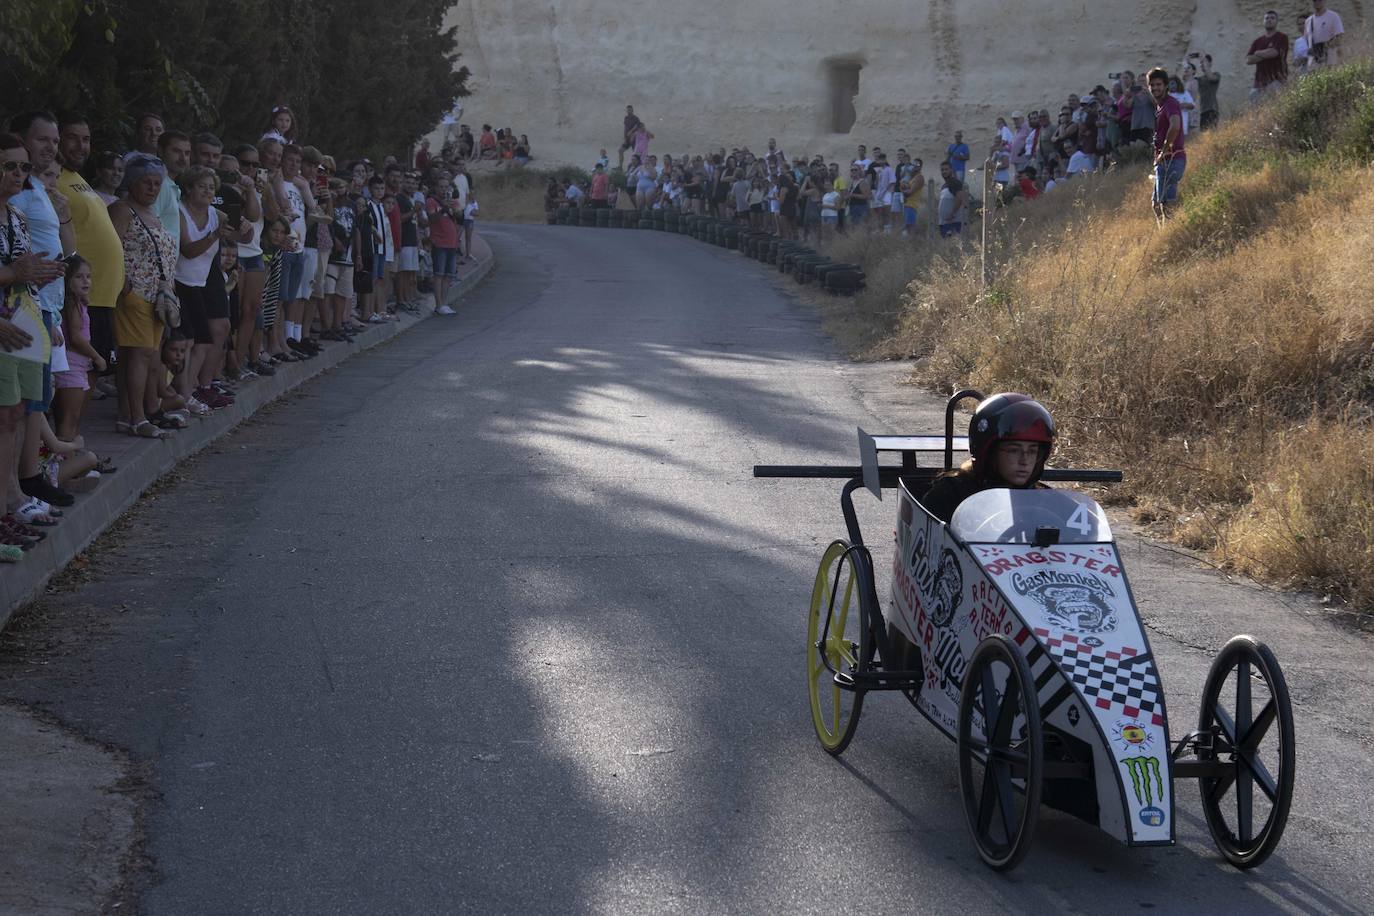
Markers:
{"x": 1141, "y": 769}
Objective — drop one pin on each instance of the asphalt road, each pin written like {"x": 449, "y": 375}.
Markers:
{"x": 494, "y": 619}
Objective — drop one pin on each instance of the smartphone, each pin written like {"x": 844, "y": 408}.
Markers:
{"x": 233, "y": 214}
{"x": 262, "y": 174}
{"x": 321, "y": 182}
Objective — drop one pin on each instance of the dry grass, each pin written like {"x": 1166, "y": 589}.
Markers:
{"x": 1204, "y": 356}
{"x": 516, "y": 195}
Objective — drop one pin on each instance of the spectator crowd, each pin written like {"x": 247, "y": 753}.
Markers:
{"x": 167, "y": 275}
{"x": 1028, "y": 153}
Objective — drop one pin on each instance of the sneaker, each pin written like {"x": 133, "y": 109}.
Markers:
{"x": 37, "y": 486}
{"x": 444, "y": 310}
{"x": 196, "y": 407}
{"x": 262, "y": 369}
{"x": 247, "y": 372}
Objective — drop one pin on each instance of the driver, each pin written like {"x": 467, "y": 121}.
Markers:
{"x": 1009, "y": 440}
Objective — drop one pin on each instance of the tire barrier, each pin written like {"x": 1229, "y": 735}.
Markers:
{"x": 805, "y": 264}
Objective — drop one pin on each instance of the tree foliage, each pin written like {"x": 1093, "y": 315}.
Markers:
{"x": 362, "y": 76}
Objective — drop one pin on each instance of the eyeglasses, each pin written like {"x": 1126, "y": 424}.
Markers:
{"x": 14, "y": 165}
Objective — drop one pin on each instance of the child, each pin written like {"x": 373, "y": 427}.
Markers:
{"x": 83, "y": 362}
{"x": 275, "y": 234}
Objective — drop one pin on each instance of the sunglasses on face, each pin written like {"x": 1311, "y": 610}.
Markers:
{"x": 15, "y": 165}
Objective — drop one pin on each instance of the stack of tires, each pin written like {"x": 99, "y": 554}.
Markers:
{"x": 805, "y": 264}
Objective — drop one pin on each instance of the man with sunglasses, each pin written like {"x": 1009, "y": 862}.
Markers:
{"x": 96, "y": 238}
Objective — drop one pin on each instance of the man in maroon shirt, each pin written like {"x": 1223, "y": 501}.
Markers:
{"x": 1170, "y": 160}
{"x": 1269, "y": 55}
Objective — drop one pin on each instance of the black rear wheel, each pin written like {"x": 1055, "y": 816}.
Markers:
{"x": 1245, "y": 707}
{"x": 1001, "y": 752}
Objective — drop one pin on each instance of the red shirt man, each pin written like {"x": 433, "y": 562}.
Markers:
{"x": 1166, "y": 109}
{"x": 1269, "y": 54}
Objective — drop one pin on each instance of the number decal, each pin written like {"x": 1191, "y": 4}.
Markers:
{"x": 1081, "y": 521}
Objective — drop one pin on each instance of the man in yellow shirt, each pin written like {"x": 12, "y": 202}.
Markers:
{"x": 96, "y": 238}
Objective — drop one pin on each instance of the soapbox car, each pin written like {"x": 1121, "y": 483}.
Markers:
{"x": 1014, "y": 631}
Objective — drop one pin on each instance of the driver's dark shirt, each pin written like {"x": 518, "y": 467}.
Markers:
{"x": 947, "y": 493}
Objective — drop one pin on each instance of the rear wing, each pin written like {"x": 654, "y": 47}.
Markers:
{"x": 877, "y": 477}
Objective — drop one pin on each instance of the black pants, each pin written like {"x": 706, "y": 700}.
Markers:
{"x": 102, "y": 331}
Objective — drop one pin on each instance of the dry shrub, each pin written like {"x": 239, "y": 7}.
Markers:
{"x": 1311, "y": 521}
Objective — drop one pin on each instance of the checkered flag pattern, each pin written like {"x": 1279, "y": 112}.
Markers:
{"x": 1110, "y": 679}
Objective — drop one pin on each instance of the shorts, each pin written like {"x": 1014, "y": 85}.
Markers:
{"x": 310, "y": 261}
{"x": 338, "y": 280}
{"x": 378, "y": 269}
{"x": 135, "y": 324}
{"x": 217, "y": 306}
{"x": 40, "y": 403}
{"x": 948, "y": 229}
{"x": 195, "y": 315}
{"x": 445, "y": 262}
{"x": 291, "y": 271}
{"x": 409, "y": 259}
{"x": 756, "y": 208}
{"x": 1167, "y": 177}
{"x": 830, "y": 219}
{"x": 20, "y": 380}
{"x": 102, "y": 331}
{"x": 469, "y": 223}
{"x": 252, "y": 264}
{"x": 71, "y": 378}
{"x": 909, "y": 216}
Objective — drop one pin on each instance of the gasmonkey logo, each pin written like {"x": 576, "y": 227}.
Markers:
{"x": 1076, "y": 602}
{"x": 941, "y": 584}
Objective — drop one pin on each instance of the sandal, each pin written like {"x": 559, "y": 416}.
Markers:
{"x": 105, "y": 466}
{"x": 32, "y": 513}
{"x": 124, "y": 427}
{"x": 144, "y": 429}
{"x": 163, "y": 421}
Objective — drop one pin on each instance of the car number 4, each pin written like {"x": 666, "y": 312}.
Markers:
{"x": 1081, "y": 521}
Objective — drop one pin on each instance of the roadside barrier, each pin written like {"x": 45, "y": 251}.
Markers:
{"x": 806, "y": 265}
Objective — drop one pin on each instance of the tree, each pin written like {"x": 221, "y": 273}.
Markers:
{"x": 362, "y": 76}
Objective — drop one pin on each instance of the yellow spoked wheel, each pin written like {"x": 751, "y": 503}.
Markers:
{"x": 837, "y": 642}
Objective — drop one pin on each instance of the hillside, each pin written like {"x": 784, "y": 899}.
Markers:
{"x": 1225, "y": 361}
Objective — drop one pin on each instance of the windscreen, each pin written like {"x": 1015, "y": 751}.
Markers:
{"x": 1012, "y": 517}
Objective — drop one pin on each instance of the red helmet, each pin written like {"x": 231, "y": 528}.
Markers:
{"x": 1009, "y": 416}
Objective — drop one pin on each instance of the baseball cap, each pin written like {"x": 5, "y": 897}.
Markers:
{"x": 1017, "y": 114}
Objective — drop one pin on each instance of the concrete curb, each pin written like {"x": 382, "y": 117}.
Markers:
{"x": 141, "y": 462}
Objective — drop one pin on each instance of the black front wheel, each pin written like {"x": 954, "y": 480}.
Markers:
{"x": 1245, "y": 707}
{"x": 1001, "y": 752}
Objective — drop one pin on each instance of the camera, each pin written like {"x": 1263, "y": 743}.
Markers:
{"x": 1113, "y": 76}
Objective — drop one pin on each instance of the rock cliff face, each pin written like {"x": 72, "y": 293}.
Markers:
{"x": 820, "y": 77}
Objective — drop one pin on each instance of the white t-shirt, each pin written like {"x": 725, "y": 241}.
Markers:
{"x": 829, "y": 202}
{"x": 194, "y": 271}
{"x": 574, "y": 192}
{"x": 1080, "y": 162}
{"x": 1323, "y": 28}
{"x": 1006, "y": 135}
{"x": 1300, "y": 52}
{"x": 460, "y": 189}
{"x": 296, "y": 204}
{"x": 863, "y": 163}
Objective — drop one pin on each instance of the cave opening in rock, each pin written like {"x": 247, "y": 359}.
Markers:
{"x": 842, "y": 79}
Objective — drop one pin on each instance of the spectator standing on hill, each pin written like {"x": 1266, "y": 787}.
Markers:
{"x": 1142, "y": 113}
{"x": 1323, "y": 31}
{"x": 1300, "y": 60}
{"x": 1170, "y": 159}
{"x": 1017, "y": 144}
{"x": 601, "y": 187}
{"x": 1268, "y": 54}
{"x": 96, "y": 238}
{"x": 1207, "y": 82}
{"x": 627, "y": 133}
{"x": 957, "y": 155}
{"x": 953, "y": 202}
